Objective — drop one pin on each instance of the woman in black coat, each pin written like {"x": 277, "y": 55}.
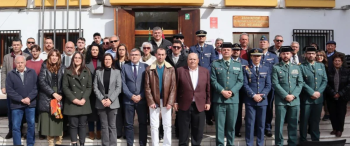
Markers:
{"x": 337, "y": 91}
{"x": 50, "y": 87}
{"x": 93, "y": 60}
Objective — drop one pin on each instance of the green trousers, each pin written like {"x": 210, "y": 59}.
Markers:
{"x": 310, "y": 115}
{"x": 293, "y": 113}
{"x": 225, "y": 121}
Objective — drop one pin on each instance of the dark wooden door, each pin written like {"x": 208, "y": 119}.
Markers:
{"x": 126, "y": 27}
{"x": 189, "y": 27}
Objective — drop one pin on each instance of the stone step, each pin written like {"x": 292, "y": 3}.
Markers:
{"x": 208, "y": 140}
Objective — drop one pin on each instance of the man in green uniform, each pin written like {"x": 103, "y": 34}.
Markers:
{"x": 311, "y": 97}
{"x": 227, "y": 80}
{"x": 288, "y": 82}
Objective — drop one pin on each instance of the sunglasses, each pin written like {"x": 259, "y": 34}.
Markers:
{"x": 147, "y": 48}
{"x": 31, "y": 42}
{"x": 279, "y": 40}
{"x": 200, "y": 36}
{"x": 114, "y": 41}
{"x": 177, "y": 47}
{"x": 178, "y": 38}
{"x": 106, "y": 43}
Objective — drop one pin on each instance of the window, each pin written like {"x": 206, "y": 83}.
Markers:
{"x": 61, "y": 37}
{"x": 6, "y": 37}
{"x": 254, "y": 38}
{"x": 145, "y": 21}
{"x": 307, "y": 36}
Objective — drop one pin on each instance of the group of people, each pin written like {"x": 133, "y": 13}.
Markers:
{"x": 103, "y": 85}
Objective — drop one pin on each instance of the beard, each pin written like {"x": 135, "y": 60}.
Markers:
{"x": 285, "y": 59}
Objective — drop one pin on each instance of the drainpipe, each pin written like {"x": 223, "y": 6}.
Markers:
{"x": 54, "y": 24}
{"x": 67, "y": 34}
{"x": 80, "y": 33}
{"x": 42, "y": 23}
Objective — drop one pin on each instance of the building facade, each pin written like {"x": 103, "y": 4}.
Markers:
{"x": 305, "y": 21}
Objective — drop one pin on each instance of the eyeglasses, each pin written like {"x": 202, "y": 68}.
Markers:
{"x": 279, "y": 40}
{"x": 31, "y": 42}
{"x": 176, "y": 47}
{"x": 106, "y": 43}
{"x": 319, "y": 55}
{"x": 134, "y": 54}
{"x": 147, "y": 48}
{"x": 114, "y": 41}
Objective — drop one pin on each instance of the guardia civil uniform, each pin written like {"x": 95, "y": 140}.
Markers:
{"x": 287, "y": 80}
{"x": 269, "y": 59}
{"x": 257, "y": 80}
{"x": 206, "y": 53}
{"x": 226, "y": 75}
{"x": 315, "y": 78}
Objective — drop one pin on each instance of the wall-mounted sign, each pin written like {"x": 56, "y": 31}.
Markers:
{"x": 213, "y": 22}
{"x": 251, "y": 21}
{"x": 187, "y": 16}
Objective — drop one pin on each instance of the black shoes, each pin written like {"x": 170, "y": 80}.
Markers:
{"x": 74, "y": 144}
{"x": 210, "y": 123}
{"x": 268, "y": 133}
{"x": 325, "y": 117}
{"x": 238, "y": 135}
{"x": 9, "y": 135}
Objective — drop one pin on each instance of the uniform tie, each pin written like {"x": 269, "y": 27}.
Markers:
{"x": 257, "y": 70}
{"x": 227, "y": 63}
{"x": 135, "y": 72}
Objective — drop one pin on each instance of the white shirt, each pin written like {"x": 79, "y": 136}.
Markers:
{"x": 175, "y": 58}
{"x": 36, "y": 59}
{"x": 256, "y": 66}
{"x": 158, "y": 42}
{"x": 67, "y": 61}
{"x": 43, "y": 55}
{"x": 296, "y": 59}
{"x": 194, "y": 78}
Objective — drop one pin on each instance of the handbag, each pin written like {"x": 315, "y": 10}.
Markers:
{"x": 56, "y": 109}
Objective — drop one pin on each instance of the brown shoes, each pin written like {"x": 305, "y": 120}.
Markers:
{"x": 91, "y": 135}
{"x": 338, "y": 134}
{"x": 333, "y": 132}
{"x": 98, "y": 135}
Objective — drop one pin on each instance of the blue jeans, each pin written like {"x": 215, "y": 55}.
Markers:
{"x": 16, "y": 125}
{"x": 92, "y": 126}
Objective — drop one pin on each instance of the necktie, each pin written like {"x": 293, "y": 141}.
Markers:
{"x": 313, "y": 68}
{"x": 227, "y": 63}
{"x": 257, "y": 70}
{"x": 293, "y": 60}
{"x": 135, "y": 72}
{"x": 263, "y": 57}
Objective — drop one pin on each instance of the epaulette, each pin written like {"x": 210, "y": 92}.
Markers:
{"x": 299, "y": 63}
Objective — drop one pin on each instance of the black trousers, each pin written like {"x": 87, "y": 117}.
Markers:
{"x": 196, "y": 120}
{"x": 77, "y": 126}
{"x": 239, "y": 116}
{"x": 120, "y": 123}
{"x": 337, "y": 111}
{"x": 269, "y": 110}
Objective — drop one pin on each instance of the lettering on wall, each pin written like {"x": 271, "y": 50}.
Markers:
{"x": 250, "y": 21}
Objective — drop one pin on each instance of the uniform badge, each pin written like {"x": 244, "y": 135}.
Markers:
{"x": 320, "y": 69}
{"x": 295, "y": 71}
{"x": 236, "y": 68}
{"x": 299, "y": 63}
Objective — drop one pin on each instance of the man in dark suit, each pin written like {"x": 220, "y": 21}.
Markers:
{"x": 158, "y": 41}
{"x": 133, "y": 74}
{"x": 295, "y": 58}
{"x": 193, "y": 97}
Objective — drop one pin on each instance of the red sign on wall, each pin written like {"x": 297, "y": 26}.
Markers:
{"x": 213, "y": 22}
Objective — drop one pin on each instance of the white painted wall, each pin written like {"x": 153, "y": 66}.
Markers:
{"x": 282, "y": 22}
{"x": 29, "y": 22}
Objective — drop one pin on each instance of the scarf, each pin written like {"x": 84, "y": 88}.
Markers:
{"x": 56, "y": 109}
{"x": 145, "y": 58}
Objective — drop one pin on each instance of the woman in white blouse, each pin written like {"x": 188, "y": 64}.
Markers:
{"x": 147, "y": 57}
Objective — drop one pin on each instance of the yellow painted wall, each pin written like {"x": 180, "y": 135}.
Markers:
{"x": 311, "y": 3}
{"x": 13, "y": 3}
{"x": 158, "y": 2}
{"x": 251, "y": 3}
{"x": 60, "y": 3}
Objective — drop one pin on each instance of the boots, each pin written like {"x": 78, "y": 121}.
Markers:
{"x": 81, "y": 144}
{"x": 91, "y": 135}
{"x": 74, "y": 144}
{"x": 58, "y": 140}
{"x": 50, "y": 139}
{"x": 98, "y": 135}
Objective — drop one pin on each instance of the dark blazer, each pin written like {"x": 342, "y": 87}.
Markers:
{"x": 344, "y": 84}
{"x": 181, "y": 62}
{"x": 166, "y": 44}
{"x": 77, "y": 87}
{"x": 132, "y": 86}
{"x": 115, "y": 85}
{"x": 45, "y": 86}
{"x": 186, "y": 92}
{"x": 17, "y": 90}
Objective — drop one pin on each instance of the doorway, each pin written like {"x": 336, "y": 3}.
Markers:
{"x": 254, "y": 38}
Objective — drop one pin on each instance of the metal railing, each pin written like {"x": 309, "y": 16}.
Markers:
{"x": 60, "y": 37}
{"x": 6, "y": 37}
{"x": 307, "y": 36}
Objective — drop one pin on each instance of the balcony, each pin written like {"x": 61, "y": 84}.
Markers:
{"x": 158, "y": 2}
{"x": 310, "y": 3}
{"x": 251, "y": 3}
